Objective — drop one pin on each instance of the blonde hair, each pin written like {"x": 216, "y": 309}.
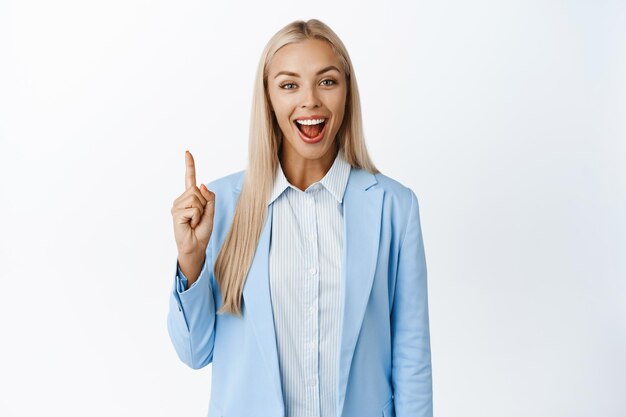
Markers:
{"x": 235, "y": 256}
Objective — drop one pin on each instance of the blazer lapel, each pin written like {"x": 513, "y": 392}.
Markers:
{"x": 257, "y": 304}
{"x": 362, "y": 209}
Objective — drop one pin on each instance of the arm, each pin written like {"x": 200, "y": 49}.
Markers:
{"x": 191, "y": 316}
{"x": 410, "y": 336}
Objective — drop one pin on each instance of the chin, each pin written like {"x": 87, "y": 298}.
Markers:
{"x": 312, "y": 151}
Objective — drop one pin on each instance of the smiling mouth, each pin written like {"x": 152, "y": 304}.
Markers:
{"x": 311, "y": 131}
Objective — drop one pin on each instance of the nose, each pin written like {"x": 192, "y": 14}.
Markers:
{"x": 310, "y": 97}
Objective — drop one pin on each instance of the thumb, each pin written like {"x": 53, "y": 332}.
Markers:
{"x": 205, "y": 224}
{"x": 206, "y": 193}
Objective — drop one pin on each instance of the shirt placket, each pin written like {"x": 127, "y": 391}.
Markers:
{"x": 311, "y": 307}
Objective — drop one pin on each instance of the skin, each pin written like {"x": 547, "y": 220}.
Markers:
{"x": 307, "y": 94}
{"x": 192, "y": 214}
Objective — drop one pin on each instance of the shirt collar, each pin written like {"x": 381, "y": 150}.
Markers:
{"x": 334, "y": 181}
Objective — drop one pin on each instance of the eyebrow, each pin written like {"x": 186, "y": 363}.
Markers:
{"x": 323, "y": 70}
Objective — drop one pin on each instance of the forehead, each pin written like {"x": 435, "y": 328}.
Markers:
{"x": 304, "y": 57}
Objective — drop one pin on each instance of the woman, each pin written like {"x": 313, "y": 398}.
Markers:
{"x": 303, "y": 278}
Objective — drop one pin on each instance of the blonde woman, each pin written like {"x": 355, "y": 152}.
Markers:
{"x": 302, "y": 279}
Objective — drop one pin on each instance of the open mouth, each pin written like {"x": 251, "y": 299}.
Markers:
{"x": 311, "y": 131}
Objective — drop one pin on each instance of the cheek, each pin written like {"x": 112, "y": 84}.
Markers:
{"x": 281, "y": 109}
{"x": 339, "y": 103}
{"x": 340, "y": 110}
{"x": 274, "y": 100}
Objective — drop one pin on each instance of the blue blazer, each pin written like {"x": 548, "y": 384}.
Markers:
{"x": 384, "y": 358}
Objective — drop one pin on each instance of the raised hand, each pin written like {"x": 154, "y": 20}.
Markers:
{"x": 192, "y": 213}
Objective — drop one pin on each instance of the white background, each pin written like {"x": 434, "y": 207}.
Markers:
{"x": 507, "y": 118}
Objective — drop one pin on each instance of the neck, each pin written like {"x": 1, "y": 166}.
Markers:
{"x": 302, "y": 172}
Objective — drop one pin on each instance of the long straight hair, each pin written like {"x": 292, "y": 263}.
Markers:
{"x": 265, "y": 139}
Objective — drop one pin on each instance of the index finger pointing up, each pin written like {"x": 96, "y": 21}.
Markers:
{"x": 190, "y": 171}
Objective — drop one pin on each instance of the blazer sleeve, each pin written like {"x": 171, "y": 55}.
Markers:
{"x": 410, "y": 335}
{"x": 191, "y": 316}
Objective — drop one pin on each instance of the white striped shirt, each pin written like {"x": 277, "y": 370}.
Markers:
{"x": 305, "y": 276}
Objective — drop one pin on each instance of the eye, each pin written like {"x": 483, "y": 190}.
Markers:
{"x": 331, "y": 80}
{"x": 283, "y": 86}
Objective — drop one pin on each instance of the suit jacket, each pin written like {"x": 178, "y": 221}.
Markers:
{"x": 384, "y": 358}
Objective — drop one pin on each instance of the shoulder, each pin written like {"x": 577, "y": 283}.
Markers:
{"x": 389, "y": 184}
{"x": 396, "y": 192}
{"x": 226, "y": 184}
{"x": 400, "y": 209}
{"x": 226, "y": 190}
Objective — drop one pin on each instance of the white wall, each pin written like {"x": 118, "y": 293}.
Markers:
{"x": 507, "y": 118}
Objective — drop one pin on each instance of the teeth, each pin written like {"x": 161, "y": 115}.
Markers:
{"x": 310, "y": 122}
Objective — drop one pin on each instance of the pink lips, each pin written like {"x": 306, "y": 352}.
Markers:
{"x": 315, "y": 116}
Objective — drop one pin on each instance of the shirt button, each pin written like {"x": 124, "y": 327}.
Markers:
{"x": 310, "y": 201}
{"x": 311, "y": 238}
{"x": 312, "y": 271}
{"x": 312, "y": 345}
{"x": 312, "y": 381}
{"x": 312, "y": 309}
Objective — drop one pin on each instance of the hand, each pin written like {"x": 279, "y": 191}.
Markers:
{"x": 192, "y": 213}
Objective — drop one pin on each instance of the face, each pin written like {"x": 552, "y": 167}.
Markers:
{"x": 306, "y": 81}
